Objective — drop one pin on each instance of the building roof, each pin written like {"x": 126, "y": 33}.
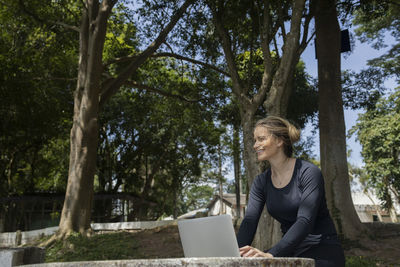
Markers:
{"x": 362, "y": 199}
{"x": 229, "y": 199}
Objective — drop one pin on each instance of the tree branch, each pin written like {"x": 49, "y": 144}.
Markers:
{"x": 44, "y": 21}
{"x": 304, "y": 41}
{"x": 158, "y": 91}
{"x": 54, "y": 79}
{"x": 303, "y": 46}
{"x": 67, "y": 26}
{"x": 229, "y": 55}
{"x": 166, "y": 54}
{"x": 113, "y": 87}
{"x": 282, "y": 77}
{"x": 265, "y": 40}
{"x": 281, "y": 22}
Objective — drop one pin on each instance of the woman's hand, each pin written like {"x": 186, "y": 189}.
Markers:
{"x": 249, "y": 252}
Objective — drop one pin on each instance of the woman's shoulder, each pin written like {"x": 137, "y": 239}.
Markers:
{"x": 308, "y": 170}
{"x": 262, "y": 178}
{"x": 307, "y": 165}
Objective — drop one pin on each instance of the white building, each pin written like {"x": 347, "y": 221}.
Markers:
{"x": 369, "y": 210}
{"x": 228, "y": 205}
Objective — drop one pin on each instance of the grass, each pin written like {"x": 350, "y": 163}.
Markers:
{"x": 359, "y": 261}
{"x": 111, "y": 246}
{"x": 125, "y": 245}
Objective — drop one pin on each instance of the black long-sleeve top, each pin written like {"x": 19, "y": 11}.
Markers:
{"x": 300, "y": 207}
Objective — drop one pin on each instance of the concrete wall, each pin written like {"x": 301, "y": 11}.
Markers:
{"x": 130, "y": 225}
{"x": 20, "y": 238}
{"x": 20, "y": 256}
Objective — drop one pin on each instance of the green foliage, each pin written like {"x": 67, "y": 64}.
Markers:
{"x": 378, "y": 131}
{"x": 37, "y": 68}
{"x": 363, "y": 89}
{"x": 374, "y": 18}
{"x": 374, "y": 21}
{"x": 112, "y": 246}
{"x": 303, "y": 101}
{"x": 197, "y": 196}
{"x": 153, "y": 146}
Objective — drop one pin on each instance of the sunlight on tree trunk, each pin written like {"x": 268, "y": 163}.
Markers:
{"x": 84, "y": 133}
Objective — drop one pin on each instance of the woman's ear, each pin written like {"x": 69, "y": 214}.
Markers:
{"x": 279, "y": 142}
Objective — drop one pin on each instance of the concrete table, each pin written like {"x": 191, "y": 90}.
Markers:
{"x": 190, "y": 262}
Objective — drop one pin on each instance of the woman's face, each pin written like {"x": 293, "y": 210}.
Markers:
{"x": 265, "y": 144}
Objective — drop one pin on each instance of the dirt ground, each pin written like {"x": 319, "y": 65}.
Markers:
{"x": 383, "y": 244}
{"x": 386, "y": 250}
{"x": 164, "y": 242}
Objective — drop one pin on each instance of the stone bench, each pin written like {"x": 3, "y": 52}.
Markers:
{"x": 19, "y": 256}
{"x": 190, "y": 262}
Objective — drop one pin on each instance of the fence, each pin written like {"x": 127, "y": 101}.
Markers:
{"x": 33, "y": 212}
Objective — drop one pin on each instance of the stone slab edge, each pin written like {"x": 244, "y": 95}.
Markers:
{"x": 190, "y": 262}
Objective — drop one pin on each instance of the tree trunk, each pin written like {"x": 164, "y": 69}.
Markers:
{"x": 84, "y": 133}
{"x": 331, "y": 122}
{"x": 389, "y": 203}
{"x": 393, "y": 215}
{"x": 220, "y": 190}
{"x": 236, "y": 168}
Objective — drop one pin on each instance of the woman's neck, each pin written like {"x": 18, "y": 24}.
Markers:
{"x": 281, "y": 165}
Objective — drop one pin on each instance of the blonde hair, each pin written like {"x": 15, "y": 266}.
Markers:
{"x": 282, "y": 129}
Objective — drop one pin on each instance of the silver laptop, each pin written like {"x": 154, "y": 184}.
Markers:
{"x": 208, "y": 237}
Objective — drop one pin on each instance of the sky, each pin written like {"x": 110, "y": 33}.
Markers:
{"x": 356, "y": 60}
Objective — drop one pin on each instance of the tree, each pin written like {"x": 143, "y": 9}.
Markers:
{"x": 248, "y": 31}
{"x": 230, "y": 115}
{"x": 378, "y": 131}
{"x": 152, "y": 145}
{"x": 375, "y": 19}
{"x": 253, "y": 26}
{"x": 91, "y": 93}
{"x": 331, "y": 122}
{"x": 198, "y": 196}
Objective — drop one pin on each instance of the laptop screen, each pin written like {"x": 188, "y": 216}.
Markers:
{"x": 208, "y": 237}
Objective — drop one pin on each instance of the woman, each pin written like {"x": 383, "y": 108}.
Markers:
{"x": 294, "y": 193}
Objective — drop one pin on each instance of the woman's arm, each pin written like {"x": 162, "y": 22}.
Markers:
{"x": 255, "y": 206}
{"x": 249, "y": 252}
